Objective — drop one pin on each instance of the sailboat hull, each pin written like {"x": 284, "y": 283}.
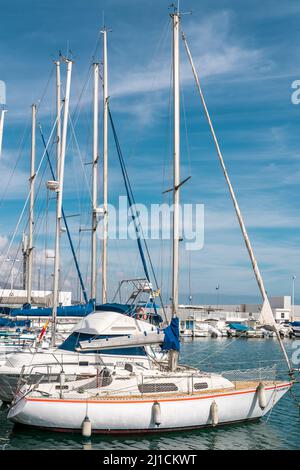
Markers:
{"x": 131, "y": 415}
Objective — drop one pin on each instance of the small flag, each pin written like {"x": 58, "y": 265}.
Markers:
{"x": 43, "y": 330}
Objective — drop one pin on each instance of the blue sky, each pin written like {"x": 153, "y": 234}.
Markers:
{"x": 247, "y": 55}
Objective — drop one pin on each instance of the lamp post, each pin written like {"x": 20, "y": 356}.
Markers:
{"x": 293, "y": 296}
{"x": 218, "y": 291}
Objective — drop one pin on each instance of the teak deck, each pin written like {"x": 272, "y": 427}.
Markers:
{"x": 238, "y": 386}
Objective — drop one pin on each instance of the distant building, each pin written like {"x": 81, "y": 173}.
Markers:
{"x": 281, "y": 306}
{"x": 18, "y": 297}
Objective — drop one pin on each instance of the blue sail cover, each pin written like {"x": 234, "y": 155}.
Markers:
{"x": 239, "y": 327}
{"x": 66, "y": 311}
{"x": 171, "y": 340}
{"x": 5, "y": 310}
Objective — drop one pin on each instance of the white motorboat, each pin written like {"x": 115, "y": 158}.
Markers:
{"x": 186, "y": 333}
{"x": 296, "y": 329}
{"x": 291, "y": 329}
{"x": 100, "y": 324}
{"x": 199, "y": 333}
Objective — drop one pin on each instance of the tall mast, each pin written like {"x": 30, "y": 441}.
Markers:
{"x": 176, "y": 167}
{"x": 31, "y": 208}
{"x": 24, "y": 253}
{"x": 105, "y": 160}
{"x": 58, "y": 114}
{"x": 95, "y": 183}
{"x": 59, "y": 190}
{"x": 173, "y": 354}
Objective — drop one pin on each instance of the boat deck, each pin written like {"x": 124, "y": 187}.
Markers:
{"x": 239, "y": 386}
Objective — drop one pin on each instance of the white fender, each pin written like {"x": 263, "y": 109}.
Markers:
{"x": 214, "y": 413}
{"x": 156, "y": 413}
{"x": 261, "y": 393}
{"x": 86, "y": 427}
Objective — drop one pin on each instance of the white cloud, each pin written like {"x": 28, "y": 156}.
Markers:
{"x": 214, "y": 52}
{"x": 3, "y": 241}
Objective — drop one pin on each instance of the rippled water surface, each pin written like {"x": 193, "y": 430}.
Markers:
{"x": 279, "y": 430}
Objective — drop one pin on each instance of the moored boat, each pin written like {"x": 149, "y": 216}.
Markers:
{"x": 130, "y": 400}
{"x": 296, "y": 328}
{"x": 100, "y": 324}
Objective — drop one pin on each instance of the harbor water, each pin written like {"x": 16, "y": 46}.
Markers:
{"x": 278, "y": 430}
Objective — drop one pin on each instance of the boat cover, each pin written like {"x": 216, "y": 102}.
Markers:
{"x": 65, "y": 311}
{"x": 239, "y": 327}
{"x": 171, "y": 340}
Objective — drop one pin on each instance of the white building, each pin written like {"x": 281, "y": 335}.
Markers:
{"x": 281, "y": 306}
{"x": 18, "y": 297}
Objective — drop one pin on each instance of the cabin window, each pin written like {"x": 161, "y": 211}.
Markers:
{"x": 200, "y": 386}
{"x": 159, "y": 387}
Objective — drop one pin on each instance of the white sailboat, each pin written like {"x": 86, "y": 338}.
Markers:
{"x": 127, "y": 398}
{"x": 108, "y": 320}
